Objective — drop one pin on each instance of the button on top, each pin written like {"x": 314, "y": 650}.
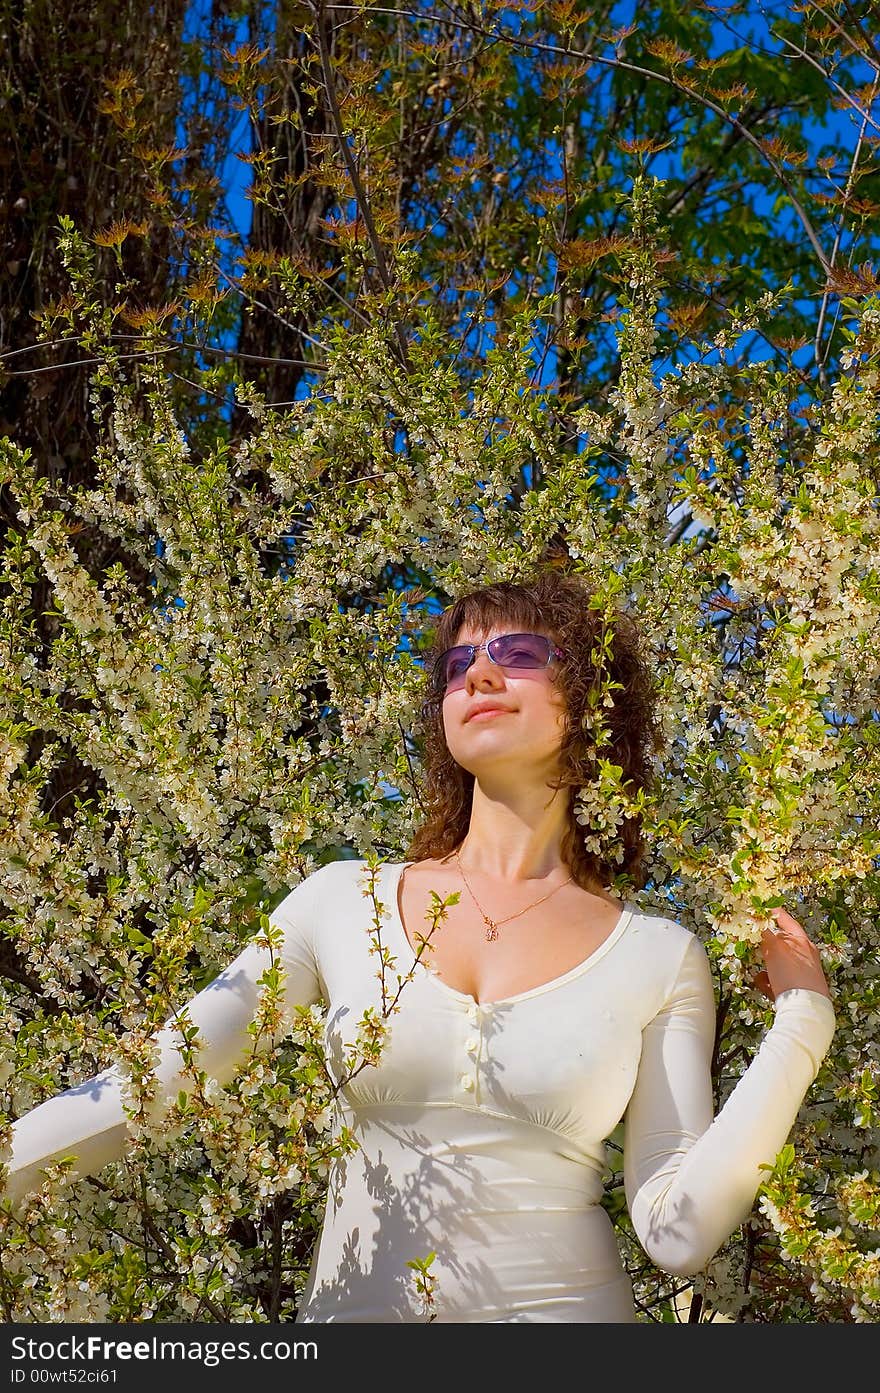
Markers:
{"x": 473, "y": 1011}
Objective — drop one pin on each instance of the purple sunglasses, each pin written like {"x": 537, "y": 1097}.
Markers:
{"x": 513, "y": 651}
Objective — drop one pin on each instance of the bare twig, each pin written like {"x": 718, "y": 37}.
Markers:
{"x": 822, "y": 360}
{"x": 318, "y": 10}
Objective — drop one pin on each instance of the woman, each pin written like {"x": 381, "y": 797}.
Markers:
{"x": 540, "y": 1011}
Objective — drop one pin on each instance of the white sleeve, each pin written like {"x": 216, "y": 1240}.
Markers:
{"x": 690, "y": 1180}
{"x": 88, "y": 1121}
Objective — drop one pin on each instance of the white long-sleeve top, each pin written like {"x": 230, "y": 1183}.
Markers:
{"x": 482, "y": 1130}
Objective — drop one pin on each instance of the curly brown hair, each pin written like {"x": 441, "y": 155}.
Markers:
{"x": 598, "y": 640}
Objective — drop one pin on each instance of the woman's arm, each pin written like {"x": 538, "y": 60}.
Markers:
{"x": 89, "y": 1122}
{"x": 691, "y": 1180}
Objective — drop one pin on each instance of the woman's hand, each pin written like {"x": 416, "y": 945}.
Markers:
{"x": 791, "y": 959}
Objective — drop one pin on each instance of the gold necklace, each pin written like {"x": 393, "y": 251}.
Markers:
{"x": 492, "y": 924}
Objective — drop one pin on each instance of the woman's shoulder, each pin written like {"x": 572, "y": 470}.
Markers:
{"x": 664, "y": 933}
{"x": 337, "y": 877}
{"x": 667, "y": 958}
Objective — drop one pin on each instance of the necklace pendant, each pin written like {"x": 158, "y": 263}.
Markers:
{"x": 491, "y": 930}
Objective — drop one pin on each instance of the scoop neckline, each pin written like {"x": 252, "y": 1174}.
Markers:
{"x": 552, "y": 984}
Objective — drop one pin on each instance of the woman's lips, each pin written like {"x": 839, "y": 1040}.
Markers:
{"x": 484, "y": 715}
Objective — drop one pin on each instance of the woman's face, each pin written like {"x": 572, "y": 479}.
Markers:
{"x": 521, "y": 737}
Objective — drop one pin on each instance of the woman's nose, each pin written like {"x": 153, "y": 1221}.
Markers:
{"x": 481, "y": 668}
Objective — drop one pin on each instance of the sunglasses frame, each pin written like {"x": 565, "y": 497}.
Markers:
{"x": 475, "y": 648}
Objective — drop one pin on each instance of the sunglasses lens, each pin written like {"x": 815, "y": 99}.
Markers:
{"x": 455, "y": 664}
{"x": 521, "y": 650}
